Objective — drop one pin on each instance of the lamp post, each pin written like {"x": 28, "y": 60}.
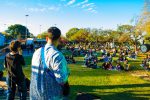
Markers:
{"x": 26, "y": 26}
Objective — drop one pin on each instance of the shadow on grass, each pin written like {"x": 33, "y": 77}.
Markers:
{"x": 116, "y": 95}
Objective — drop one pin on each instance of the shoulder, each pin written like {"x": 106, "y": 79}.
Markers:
{"x": 57, "y": 54}
{"x": 37, "y": 52}
{"x": 36, "y": 57}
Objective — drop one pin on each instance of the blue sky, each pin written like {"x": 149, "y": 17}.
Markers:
{"x": 106, "y": 14}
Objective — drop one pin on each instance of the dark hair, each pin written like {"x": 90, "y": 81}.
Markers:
{"x": 14, "y": 45}
{"x": 54, "y": 33}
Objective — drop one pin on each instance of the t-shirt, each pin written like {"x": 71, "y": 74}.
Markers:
{"x": 13, "y": 64}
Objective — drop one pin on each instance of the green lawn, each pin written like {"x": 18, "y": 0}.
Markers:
{"x": 109, "y": 85}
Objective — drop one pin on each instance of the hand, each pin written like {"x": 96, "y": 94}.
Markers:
{"x": 20, "y": 51}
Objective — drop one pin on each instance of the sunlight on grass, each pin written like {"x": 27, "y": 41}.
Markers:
{"x": 119, "y": 85}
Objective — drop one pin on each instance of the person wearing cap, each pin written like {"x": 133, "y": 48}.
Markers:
{"x": 49, "y": 70}
{"x": 15, "y": 76}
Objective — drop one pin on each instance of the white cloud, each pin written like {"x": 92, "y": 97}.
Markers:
{"x": 89, "y": 9}
{"x": 81, "y": 3}
{"x": 94, "y": 11}
{"x": 87, "y": 5}
{"x": 53, "y": 8}
{"x": 71, "y": 2}
{"x": 35, "y": 9}
{"x": 43, "y": 9}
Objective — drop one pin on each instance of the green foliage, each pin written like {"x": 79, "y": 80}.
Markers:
{"x": 71, "y": 32}
{"x": 81, "y": 36}
{"x": 147, "y": 38}
{"x": 125, "y": 28}
{"x": 18, "y": 30}
{"x": 42, "y": 35}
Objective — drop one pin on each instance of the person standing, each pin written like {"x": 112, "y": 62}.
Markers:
{"x": 15, "y": 76}
{"x": 49, "y": 78}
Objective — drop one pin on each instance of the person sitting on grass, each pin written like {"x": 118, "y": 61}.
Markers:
{"x": 86, "y": 57}
{"x": 119, "y": 67}
{"x": 121, "y": 57}
{"x": 126, "y": 64}
{"x": 134, "y": 55}
{"x": 145, "y": 63}
{"x": 106, "y": 59}
{"x": 110, "y": 66}
{"x": 105, "y": 65}
{"x": 114, "y": 52}
{"x": 109, "y": 57}
{"x": 90, "y": 60}
{"x": 70, "y": 59}
{"x": 103, "y": 52}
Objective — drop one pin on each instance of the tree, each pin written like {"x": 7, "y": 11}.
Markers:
{"x": 134, "y": 32}
{"x": 125, "y": 28}
{"x": 124, "y": 38}
{"x": 42, "y": 35}
{"x": 18, "y": 30}
{"x": 71, "y": 32}
{"x": 144, "y": 20}
{"x": 81, "y": 36}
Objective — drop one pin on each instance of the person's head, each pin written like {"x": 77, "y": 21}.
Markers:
{"x": 14, "y": 46}
{"x": 53, "y": 35}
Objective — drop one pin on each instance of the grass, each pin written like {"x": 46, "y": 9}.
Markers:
{"x": 109, "y": 85}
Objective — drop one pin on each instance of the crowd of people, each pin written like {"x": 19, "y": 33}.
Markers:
{"x": 106, "y": 57}
{"x": 120, "y": 64}
{"x": 49, "y": 76}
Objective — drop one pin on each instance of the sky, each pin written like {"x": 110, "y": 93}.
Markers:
{"x": 66, "y": 14}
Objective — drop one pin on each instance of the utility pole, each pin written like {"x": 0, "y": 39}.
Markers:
{"x": 26, "y": 27}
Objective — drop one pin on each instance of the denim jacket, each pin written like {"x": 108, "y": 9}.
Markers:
{"x": 43, "y": 86}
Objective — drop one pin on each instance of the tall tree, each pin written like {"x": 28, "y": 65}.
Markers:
{"x": 134, "y": 32}
{"x": 71, "y": 32}
{"x": 18, "y": 30}
{"x": 145, "y": 19}
{"x": 81, "y": 36}
{"x": 125, "y": 28}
